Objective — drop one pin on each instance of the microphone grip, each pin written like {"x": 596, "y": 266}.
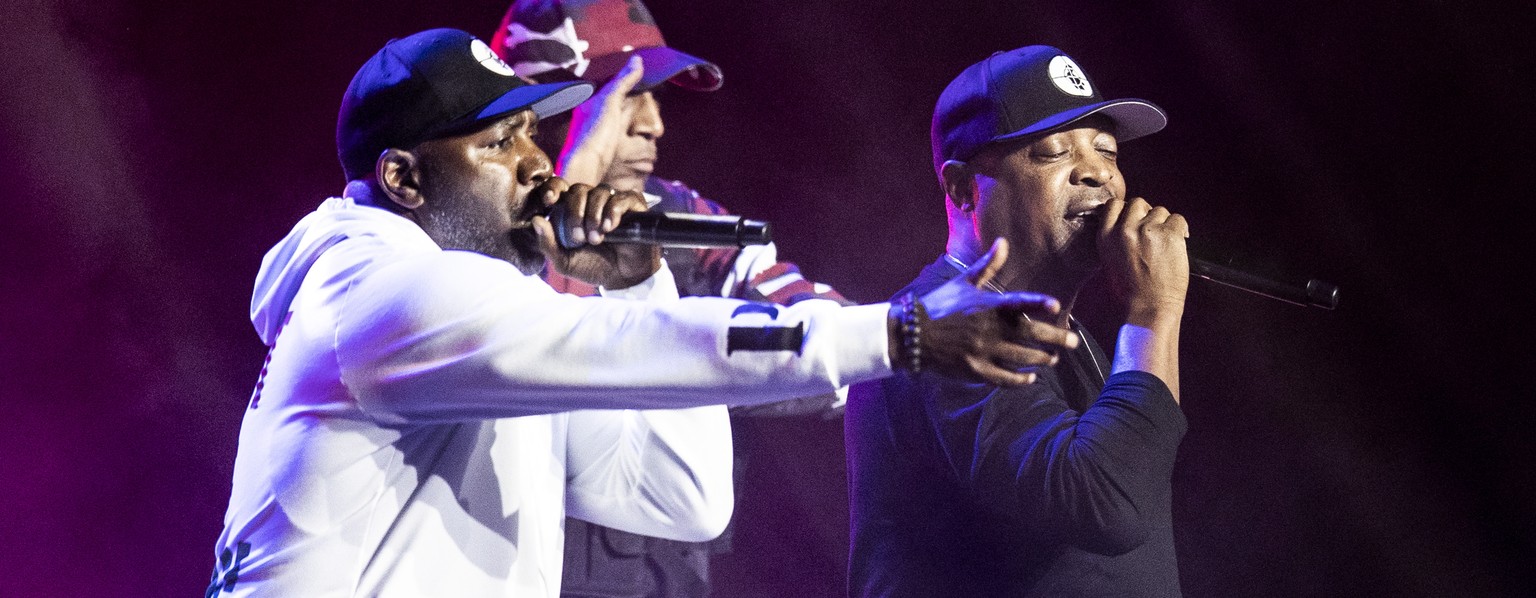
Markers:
{"x": 1314, "y": 293}
{"x": 676, "y": 229}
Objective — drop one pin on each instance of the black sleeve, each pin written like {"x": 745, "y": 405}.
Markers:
{"x": 1085, "y": 479}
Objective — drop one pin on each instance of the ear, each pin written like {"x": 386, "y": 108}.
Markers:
{"x": 399, "y": 175}
{"x": 959, "y": 184}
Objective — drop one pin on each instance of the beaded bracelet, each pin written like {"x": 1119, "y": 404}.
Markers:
{"x": 910, "y": 316}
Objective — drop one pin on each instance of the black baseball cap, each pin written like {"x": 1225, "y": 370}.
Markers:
{"x": 1022, "y": 92}
{"x": 431, "y": 84}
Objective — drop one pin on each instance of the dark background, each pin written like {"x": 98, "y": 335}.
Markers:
{"x": 151, "y": 151}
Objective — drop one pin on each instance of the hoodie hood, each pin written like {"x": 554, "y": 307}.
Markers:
{"x": 287, "y": 263}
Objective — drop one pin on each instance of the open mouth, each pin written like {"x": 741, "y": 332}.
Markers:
{"x": 1088, "y": 217}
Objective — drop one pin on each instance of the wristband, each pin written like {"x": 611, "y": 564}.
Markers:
{"x": 910, "y": 316}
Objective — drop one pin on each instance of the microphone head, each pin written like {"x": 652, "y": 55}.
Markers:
{"x": 754, "y": 232}
{"x": 1322, "y": 294}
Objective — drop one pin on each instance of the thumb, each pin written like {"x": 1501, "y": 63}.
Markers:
{"x": 546, "y": 238}
{"x": 989, "y": 265}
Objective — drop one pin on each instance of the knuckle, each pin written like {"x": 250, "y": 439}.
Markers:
{"x": 976, "y": 343}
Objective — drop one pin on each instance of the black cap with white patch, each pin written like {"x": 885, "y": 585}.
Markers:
{"x": 1022, "y": 92}
{"x": 431, "y": 84}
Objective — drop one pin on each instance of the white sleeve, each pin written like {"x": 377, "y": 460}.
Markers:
{"x": 453, "y": 336}
{"x": 662, "y": 473}
{"x": 657, "y": 472}
{"x": 661, "y": 287}
{"x": 753, "y": 260}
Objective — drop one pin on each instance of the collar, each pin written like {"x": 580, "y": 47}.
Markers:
{"x": 962, "y": 267}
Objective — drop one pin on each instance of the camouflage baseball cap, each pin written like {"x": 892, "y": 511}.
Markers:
{"x": 592, "y": 40}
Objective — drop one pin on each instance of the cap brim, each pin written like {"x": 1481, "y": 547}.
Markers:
{"x": 1133, "y": 118}
{"x": 662, "y": 64}
{"x": 546, "y": 100}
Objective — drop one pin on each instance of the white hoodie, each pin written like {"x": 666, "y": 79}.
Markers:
{"x": 427, "y": 418}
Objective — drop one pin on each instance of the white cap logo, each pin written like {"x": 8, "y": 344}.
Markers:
{"x": 1069, "y": 77}
{"x": 488, "y": 59}
{"x": 565, "y": 35}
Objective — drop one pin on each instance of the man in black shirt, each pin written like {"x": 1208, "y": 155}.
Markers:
{"x": 1061, "y": 488}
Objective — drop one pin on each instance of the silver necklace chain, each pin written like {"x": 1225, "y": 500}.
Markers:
{"x": 1077, "y": 327}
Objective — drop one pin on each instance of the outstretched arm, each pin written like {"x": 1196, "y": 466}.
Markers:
{"x": 450, "y": 336}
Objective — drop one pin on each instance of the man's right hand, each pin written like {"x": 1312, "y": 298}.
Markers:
{"x": 1147, "y": 265}
{"x": 1145, "y": 260}
{"x": 589, "y": 213}
{"x": 974, "y": 334}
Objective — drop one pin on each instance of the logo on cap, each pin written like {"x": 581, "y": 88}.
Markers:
{"x": 1069, "y": 77}
{"x": 537, "y": 51}
{"x": 488, "y": 59}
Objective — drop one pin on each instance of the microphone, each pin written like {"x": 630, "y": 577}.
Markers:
{"x": 1312, "y": 293}
{"x": 676, "y": 229}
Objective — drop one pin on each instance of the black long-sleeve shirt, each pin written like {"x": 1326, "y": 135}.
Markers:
{"x": 1059, "y": 488}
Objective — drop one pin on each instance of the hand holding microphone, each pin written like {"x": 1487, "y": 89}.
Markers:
{"x": 1208, "y": 263}
{"x": 605, "y": 237}
{"x": 675, "y": 229}
{"x": 572, "y": 224}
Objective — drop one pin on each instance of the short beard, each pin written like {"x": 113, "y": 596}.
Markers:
{"x": 466, "y": 231}
{"x": 525, "y": 251}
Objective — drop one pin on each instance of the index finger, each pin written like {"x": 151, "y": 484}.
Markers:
{"x": 1110, "y": 215}
{"x": 621, "y": 203}
{"x": 989, "y": 265}
{"x": 553, "y": 188}
{"x": 628, "y": 77}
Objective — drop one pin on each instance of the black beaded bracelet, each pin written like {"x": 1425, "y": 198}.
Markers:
{"x": 910, "y": 317}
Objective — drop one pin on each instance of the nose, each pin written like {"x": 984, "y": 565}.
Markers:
{"x": 1093, "y": 169}
{"x": 647, "y": 119}
{"x": 534, "y": 167}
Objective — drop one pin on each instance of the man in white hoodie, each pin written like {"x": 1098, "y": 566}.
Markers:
{"x": 431, "y": 410}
